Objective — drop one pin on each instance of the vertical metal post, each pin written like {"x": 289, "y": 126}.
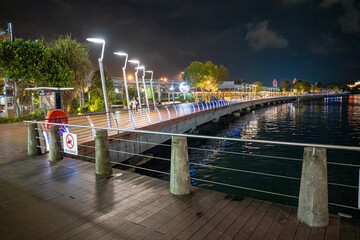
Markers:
{"x": 159, "y": 92}
{"x": 10, "y": 32}
{"x": 104, "y": 91}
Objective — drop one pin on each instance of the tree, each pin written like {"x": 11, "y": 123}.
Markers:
{"x": 259, "y": 86}
{"x": 302, "y": 86}
{"x": 28, "y": 63}
{"x": 285, "y": 86}
{"x": 206, "y": 76}
{"x": 76, "y": 56}
{"x": 96, "y": 91}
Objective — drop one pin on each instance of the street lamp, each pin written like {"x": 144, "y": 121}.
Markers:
{"x": 124, "y": 74}
{"x": 143, "y": 78}
{"x": 136, "y": 78}
{"x": 151, "y": 85}
{"x": 101, "y": 68}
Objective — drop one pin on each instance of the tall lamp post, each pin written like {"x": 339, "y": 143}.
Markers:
{"x": 143, "y": 79}
{"x": 124, "y": 74}
{"x": 101, "y": 68}
{"x": 151, "y": 85}
{"x": 136, "y": 78}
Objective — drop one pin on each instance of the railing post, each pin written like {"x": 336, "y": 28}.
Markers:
{"x": 179, "y": 171}
{"x": 102, "y": 157}
{"x": 33, "y": 140}
{"x": 313, "y": 207}
{"x": 55, "y": 153}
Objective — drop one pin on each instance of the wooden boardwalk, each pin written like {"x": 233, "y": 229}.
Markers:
{"x": 65, "y": 201}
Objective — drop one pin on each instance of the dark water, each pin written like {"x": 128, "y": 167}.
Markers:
{"x": 328, "y": 121}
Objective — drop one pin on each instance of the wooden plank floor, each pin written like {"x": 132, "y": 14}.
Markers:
{"x": 65, "y": 201}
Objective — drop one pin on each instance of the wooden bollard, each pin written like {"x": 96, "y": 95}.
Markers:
{"x": 103, "y": 167}
{"x": 179, "y": 171}
{"x": 55, "y": 153}
{"x": 313, "y": 209}
{"x": 33, "y": 140}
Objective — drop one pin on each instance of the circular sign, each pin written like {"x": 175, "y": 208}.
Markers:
{"x": 184, "y": 87}
{"x": 69, "y": 141}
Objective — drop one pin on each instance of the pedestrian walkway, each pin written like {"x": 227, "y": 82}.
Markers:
{"x": 65, "y": 201}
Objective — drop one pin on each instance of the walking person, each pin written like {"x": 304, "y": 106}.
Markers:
{"x": 133, "y": 105}
{"x": 137, "y": 104}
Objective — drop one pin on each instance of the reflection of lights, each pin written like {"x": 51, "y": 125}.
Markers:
{"x": 46, "y": 140}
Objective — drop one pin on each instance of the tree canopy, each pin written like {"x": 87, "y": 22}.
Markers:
{"x": 63, "y": 63}
{"x": 205, "y": 75}
{"x": 302, "y": 87}
{"x": 259, "y": 86}
{"x": 285, "y": 86}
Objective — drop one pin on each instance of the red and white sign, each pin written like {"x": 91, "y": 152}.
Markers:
{"x": 70, "y": 143}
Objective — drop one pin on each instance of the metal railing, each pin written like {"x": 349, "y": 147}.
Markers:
{"x": 280, "y": 174}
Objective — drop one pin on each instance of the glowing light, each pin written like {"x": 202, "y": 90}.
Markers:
{"x": 133, "y": 61}
{"x": 184, "y": 87}
{"x": 95, "y": 40}
{"x": 120, "y": 53}
{"x": 130, "y": 77}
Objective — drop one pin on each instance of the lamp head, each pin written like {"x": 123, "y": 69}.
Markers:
{"x": 149, "y": 71}
{"x": 120, "y": 53}
{"x": 140, "y": 67}
{"x": 96, "y": 40}
{"x": 134, "y": 61}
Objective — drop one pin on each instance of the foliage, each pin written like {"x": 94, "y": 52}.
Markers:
{"x": 76, "y": 57}
{"x": 36, "y": 115}
{"x": 189, "y": 98}
{"x": 96, "y": 105}
{"x": 96, "y": 92}
{"x": 302, "y": 87}
{"x": 22, "y": 59}
{"x": 132, "y": 93}
{"x": 29, "y": 63}
{"x": 63, "y": 63}
{"x": 149, "y": 93}
{"x": 285, "y": 86}
{"x": 259, "y": 86}
{"x": 74, "y": 105}
{"x": 206, "y": 76}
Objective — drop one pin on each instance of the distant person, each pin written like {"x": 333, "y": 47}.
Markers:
{"x": 133, "y": 105}
{"x": 137, "y": 104}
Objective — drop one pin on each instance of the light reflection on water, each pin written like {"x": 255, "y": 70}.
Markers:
{"x": 328, "y": 121}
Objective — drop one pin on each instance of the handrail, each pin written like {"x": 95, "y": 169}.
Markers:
{"x": 336, "y": 147}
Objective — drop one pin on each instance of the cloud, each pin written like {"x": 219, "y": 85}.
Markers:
{"x": 349, "y": 21}
{"x": 291, "y": 2}
{"x": 327, "y": 45}
{"x": 328, "y": 3}
{"x": 260, "y": 37}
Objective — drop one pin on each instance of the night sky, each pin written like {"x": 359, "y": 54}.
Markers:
{"x": 256, "y": 40}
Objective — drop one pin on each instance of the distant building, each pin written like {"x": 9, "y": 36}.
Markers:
{"x": 354, "y": 85}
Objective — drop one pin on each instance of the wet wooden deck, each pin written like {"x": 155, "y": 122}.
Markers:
{"x": 64, "y": 201}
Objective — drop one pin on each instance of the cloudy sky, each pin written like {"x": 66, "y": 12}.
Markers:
{"x": 257, "y": 40}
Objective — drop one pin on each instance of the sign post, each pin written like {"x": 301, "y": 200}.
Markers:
{"x": 70, "y": 143}
{"x": 184, "y": 88}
